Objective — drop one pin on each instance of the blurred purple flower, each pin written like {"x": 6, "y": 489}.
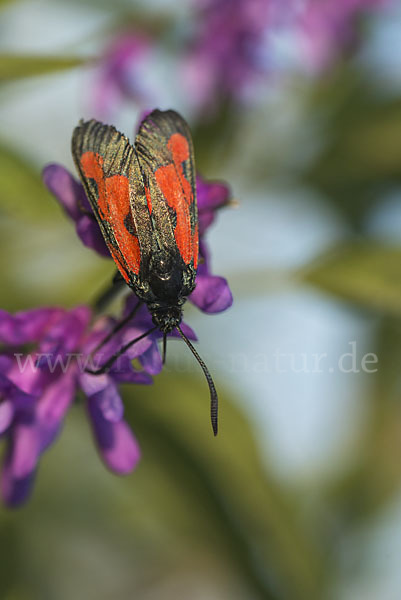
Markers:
{"x": 212, "y": 293}
{"x": 328, "y": 26}
{"x": 225, "y": 55}
{"x": 211, "y": 196}
{"x": 119, "y": 75}
{"x": 72, "y": 198}
{"x": 36, "y": 389}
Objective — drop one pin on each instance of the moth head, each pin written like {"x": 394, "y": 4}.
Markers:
{"x": 166, "y": 317}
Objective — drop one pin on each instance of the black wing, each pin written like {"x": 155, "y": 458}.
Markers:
{"x": 166, "y": 158}
{"x": 111, "y": 176}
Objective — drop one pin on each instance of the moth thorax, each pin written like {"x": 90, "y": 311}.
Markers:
{"x": 166, "y": 317}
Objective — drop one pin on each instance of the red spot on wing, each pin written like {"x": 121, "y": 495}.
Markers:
{"x": 178, "y": 192}
{"x": 195, "y": 242}
{"x": 117, "y": 191}
{"x": 114, "y": 206}
{"x": 92, "y": 167}
{"x": 117, "y": 259}
{"x": 148, "y": 199}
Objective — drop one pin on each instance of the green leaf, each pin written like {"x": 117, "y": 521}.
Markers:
{"x": 22, "y": 192}
{"x": 14, "y": 66}
{"x": 365, "y": 273}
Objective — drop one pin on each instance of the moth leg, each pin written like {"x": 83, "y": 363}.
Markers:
{"x": 117, "y": 327}
{"x": 164, "y": 347}
{"x": 109, "y": 293}
{"x": 88, "y": 213}
{"x": 104, "y": 368}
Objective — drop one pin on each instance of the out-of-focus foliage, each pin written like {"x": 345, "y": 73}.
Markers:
{"x": 361, "y": 143}
{"x": 16, "y": 67}
{"x": 369, "y": 274}
{"x": 374, "y": 477}
{"x": 22, "y": 194}
{"x": 187, "y": 490}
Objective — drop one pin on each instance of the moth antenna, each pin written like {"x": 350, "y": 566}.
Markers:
{"x": 109, "y": 363}
{"x": 214, "y": 402}
{"x": 164, "y": 347}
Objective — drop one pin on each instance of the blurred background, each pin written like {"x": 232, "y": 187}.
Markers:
{"x": 297, "y": 105}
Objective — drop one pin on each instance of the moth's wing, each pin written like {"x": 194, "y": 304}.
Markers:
{"x": 166, "y": 158}
{"x": 110, "y": 173}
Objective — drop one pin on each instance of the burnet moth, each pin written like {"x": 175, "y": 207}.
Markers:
{"x": 144, "y": 199}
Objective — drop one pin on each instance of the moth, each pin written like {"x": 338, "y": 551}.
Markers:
{"x": 144, "y": 199}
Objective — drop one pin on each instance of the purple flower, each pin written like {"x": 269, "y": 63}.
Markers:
{"x": 212, "y": 293}
{"x": 327, "y": 26}
{"x": 119, "y": 75}
{"x": 72, "y": 198}
{"x": 225, "y": 55}
{"x": 211, "y": 196}
{"x": 37, "y": 389}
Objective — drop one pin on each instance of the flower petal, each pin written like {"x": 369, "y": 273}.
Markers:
{"x": 187, "y": 330}
{"x": 25, "y": 449}
{"x": 15, "y": 491}
{"x": 109, "y": 403}
{"x": 90, "y": 235}
{"x": 130, "y": 333}
{"x": 71, "y": 195}
{"x": 27, "y": 376}
{"x": 123, "y": 372}
{"x": 211, "y": 195}
{"x": 10, "y": 392}
{"x": 7, "y": 411}
{"x": 66, "y": 189}
{"x": 132, "y": 376}
{"x": 53, "y": 405}
{"x": 26, "y": 326}
{"x": 65, "y": 333}
{"x": 212, "y": 294}
{"x": 117, "y": 445}
{"x": 151, "y": 360}
{"x": 92, "y": 384}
